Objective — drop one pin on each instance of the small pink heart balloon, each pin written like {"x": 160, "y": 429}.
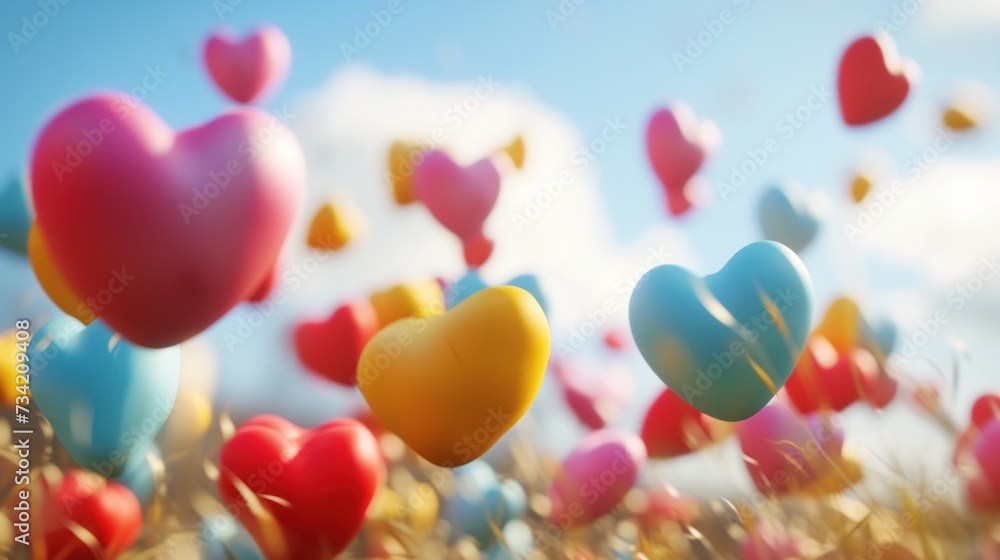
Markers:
{"x": 461, "y": 198}
{"x": 165, "y": 232}
{"x": 249, "y": 68}
{"x": 677, "y": 144}
{"x": 784, "y": 453}
{"x": 595, "y": 476}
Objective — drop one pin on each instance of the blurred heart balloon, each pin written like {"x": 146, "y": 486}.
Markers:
{"x": 404, "y": 156}
{"x": 105, "y": 397}
{"x": 677, "y": 144}
{"x": 286, "y": 480}
{"x": 725, "y": 343}
{"x": 450, "y": 386}
{"x": 788, "y": 216}
{"x": 597, "y": 398}
{"x": 415, "y": 299}
{"x": 461, "y": 198}
{"x": 595, "y": 476}
{"x": 333, "y": 347}
{"x": 334, "y": 226}
{"x": 672, "y": 427}
{"x": 85, "y": 506}
{"x": 188, "y": 224}
{"x": 480, "y": 501}
{"x": 873, "y": 81}
{"x": 246, "y": 69}
{"x": 827, "y": 380}
{"x": 15, "y": 217}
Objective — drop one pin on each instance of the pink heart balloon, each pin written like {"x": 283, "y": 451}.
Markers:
{"x": 165, "y": 232}
{"x": 677, "y": 144}
{"x": 783, "y": 455}
{"x": 596, "y": 399}
{"x": 460, "y": 198}
{"x": 595, "y": 476}
{"x": 248, "y": 68}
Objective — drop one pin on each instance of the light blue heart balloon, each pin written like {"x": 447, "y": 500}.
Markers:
{"x": 105, "y": 397}
{"x": 883, "y": 332}
{"x": 519, "y": 542}
{"x": 480, "y": 498}
{"x": 225, "y": 539}
{"x": 725, "y": 343}
{"x": 15, "y": 217}
{"x": 472, "y": 283}
{"x": 786, "y": 216}
{"x": 139, "y": 474}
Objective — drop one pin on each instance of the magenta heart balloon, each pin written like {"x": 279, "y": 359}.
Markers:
{"x": 248, "y": 68}
{"x": 595, "y": 476}
{"x": 164, "y": 233}
{"x": 677, "y": 144}
{"x": 460, "y": 198}
{"x": 784, "y": 453}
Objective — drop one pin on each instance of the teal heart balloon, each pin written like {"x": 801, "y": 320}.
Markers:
{"x": 481, "y": 499}
{"x": 725, "y": 343}
{"x": 471, "y": 283}
{"x": 105, "y": 397}
{"x": 788, "y": 217}
{"x": 15, "y": 217}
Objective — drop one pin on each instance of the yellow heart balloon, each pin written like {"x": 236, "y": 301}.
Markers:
{"x": 418, "y": 299}
{"x": 8, "y": 369}
{"x": 515, "y": 150}
{"x": 959, "y": 119}
{"x": 51, "y": 279}
{"x": 860, "y": 187}
{"x": 404, "y": 157}
{"x": 842, "y": 324}
{"x": 450, "y": 386}
{"x": 333, "y": 226}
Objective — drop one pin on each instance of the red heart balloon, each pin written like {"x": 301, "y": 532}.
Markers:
{"x": 673, "y": 427}
{"x": 873, "y": 81}
{"x": 310, "y": 489}
{"x": 333, "y": 347}
{"x": 164, "y": 232}
{"x": 109, "y": 514}
{"x": 824, "y": 379}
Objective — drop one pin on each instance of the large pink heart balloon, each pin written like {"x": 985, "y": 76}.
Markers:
{"x": 460, "y": 198}
{"x": 165, "y": 232}
{"x": 677, "y": 143}
{"x": 785, "y": 453}
{"x": 248, "y": 68}
{"x": 595, "y": 476}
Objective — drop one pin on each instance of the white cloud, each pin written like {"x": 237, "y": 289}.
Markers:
{"x": 959, "y": 14}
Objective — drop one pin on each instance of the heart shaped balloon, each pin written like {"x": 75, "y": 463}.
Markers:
{"x": 333, "y": 347}
{"x": 872, "y": 80}
{"x": 404, "y": 157}
{"x": 672, "y": 427}
{"x": 595, "y": 476}
{"x": 105, "y": 398}
{"x": 188, "y": 224}
{"x": 450, "y": 386}
{"x": 785, "y": 453}
{"x": 285, "y": 482}
{"x": 245, "y": 69}
{"x": 415, "y": 299}
{"x": 15, "y": 217}
{"x": 725, "y": 343}
{"x": 677, "y": 144}
{"x": 85, "y": 506}
{"x": 481, "y": 501}
{"x": 788, "y": 216}
{"x": 334, "y": 225}
{"x": 461, "y": 198}
{"x": 827, "y": 380}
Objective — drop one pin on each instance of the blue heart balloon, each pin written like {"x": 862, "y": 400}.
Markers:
{"x": 15, "y": 217}
{"x": 479, "y": 499}
{"x": 786, "y": 216}
{"x": 105, "y": 397}
{"x": 140, "y": 474}
{"x": 472, "y": 283}
{"x": 725, "y": 343}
